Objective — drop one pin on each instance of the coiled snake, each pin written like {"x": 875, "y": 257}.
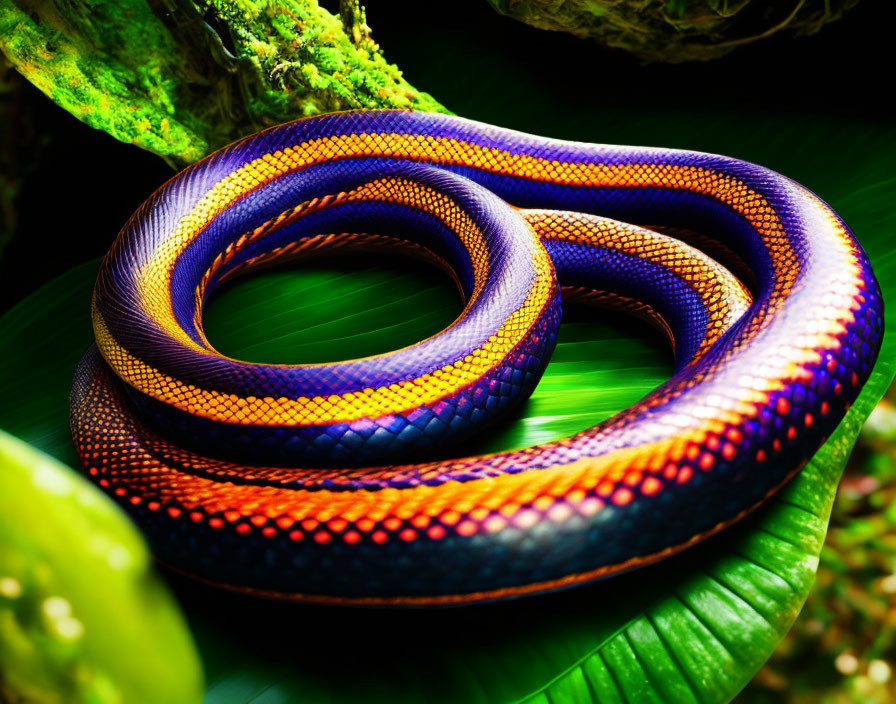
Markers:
{"x": 317, "y": 482}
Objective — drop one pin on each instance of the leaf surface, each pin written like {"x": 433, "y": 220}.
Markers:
{"x": 694, "y": 628}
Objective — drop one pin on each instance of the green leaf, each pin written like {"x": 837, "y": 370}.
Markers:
{"x": 84, "y": 618}
{"x": 694, "y": 628}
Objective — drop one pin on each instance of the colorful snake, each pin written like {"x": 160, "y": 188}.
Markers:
{"x": 207, "y": 452}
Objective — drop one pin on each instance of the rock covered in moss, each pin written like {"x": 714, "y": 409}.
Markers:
{"x": 675, "y": 30}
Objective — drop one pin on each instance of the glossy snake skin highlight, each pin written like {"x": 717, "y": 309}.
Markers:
{"x": 204, "y": 451}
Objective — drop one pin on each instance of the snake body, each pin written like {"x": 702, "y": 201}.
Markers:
{"x": 317, "y": 483}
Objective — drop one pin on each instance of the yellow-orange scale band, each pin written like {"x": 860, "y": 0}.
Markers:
{"x": 155, "y": 278}
{"x": 354, "y": 405}
{"x": 724, "y": 297}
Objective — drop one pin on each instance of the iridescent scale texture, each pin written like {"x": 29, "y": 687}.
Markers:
{"x": 318, "y": 483}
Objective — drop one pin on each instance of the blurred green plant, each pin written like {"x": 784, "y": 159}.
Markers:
{"x": 84, "y": 619}
{"x": 182, "y": 78}
{"x": 675, "y": 30}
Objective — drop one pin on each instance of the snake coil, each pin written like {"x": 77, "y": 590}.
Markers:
{"x": 315, "y": 482}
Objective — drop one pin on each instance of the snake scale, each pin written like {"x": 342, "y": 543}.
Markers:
{"x": 321, "y": 482}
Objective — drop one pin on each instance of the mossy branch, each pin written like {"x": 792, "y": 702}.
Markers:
{"x": 182, "y": 78}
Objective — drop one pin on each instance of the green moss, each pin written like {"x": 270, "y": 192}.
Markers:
{"x": 112, "y": 65}
{"x": 305, "y": 60}
{"x": 186, "y": 81}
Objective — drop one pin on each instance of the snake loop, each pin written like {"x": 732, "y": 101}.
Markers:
{"x": 316, "y": 483}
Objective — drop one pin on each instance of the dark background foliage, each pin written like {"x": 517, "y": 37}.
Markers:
{"x": 66, "y": 189}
